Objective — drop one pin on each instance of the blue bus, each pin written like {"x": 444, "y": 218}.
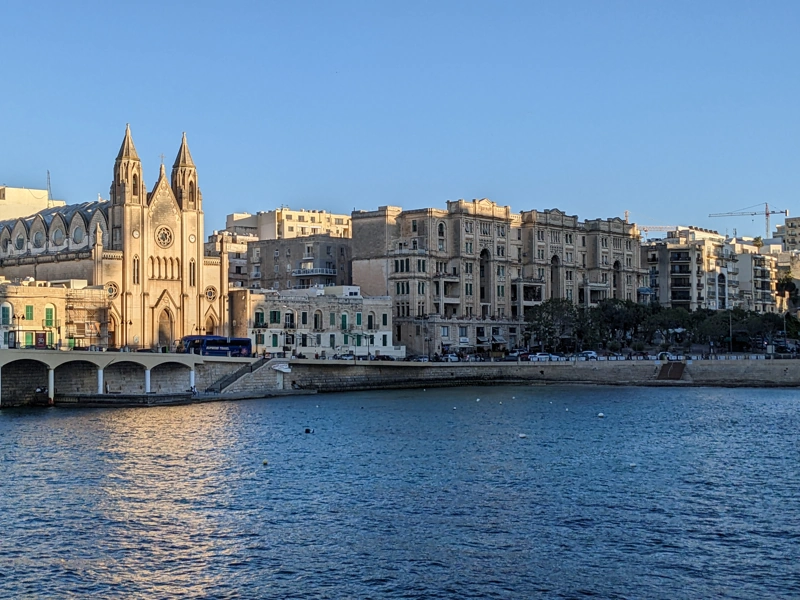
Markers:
{"x": 216, "y": 345}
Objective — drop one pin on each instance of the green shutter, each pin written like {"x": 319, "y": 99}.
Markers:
{"x": 6, "y": 316}
{"x": 48, "y": 317}
{"x": 28, "y": 338}
{"x": 29, "y": 313}
{"x": 274, "y": 340}
{"x": 358, "y": 340}
{"x": 344, "y": 321}
{"x": 333, "y": 320}
{"x": 358, "y": 319}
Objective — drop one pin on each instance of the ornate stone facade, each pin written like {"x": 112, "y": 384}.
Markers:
{"x": 146, "y": 249}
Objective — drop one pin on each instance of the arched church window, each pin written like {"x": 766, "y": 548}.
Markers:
{"x": 192, "y": 273}
{"x": 152, "y": 268}
{"x": 135, "y": 184}
{"x": 135, "y": 270}
{"x": 192, "y": 195}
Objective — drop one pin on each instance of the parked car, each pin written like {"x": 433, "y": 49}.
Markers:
{"x": 588, "y": 355}
{"x": 420, "y": 359}
{"x": 543, "y": 356}
{"x": 450, "y": 358}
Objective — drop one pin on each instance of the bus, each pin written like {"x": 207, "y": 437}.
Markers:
{"x": 216, "y": 345}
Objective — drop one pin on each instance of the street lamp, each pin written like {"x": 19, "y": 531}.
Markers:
{"x": 18, "y": 319}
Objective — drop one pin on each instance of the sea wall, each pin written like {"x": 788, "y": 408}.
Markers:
{"x": 330, "y": 376}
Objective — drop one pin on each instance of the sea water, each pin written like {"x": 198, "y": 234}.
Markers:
{"x": 497, "y": 492}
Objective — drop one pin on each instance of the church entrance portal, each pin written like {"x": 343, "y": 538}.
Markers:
{"x": 165, "y": 329}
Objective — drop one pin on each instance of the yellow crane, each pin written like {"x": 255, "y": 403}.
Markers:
{"x": 747, "y": 213}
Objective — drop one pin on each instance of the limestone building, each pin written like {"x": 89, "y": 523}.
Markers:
{"x": 285, "y": 223}
{"x": 235, "y": 245}
{"x": 692, "y": 268}
{"x": 450, "y": 273}
{"x": 758, "y": 277}
{"x": 316, "y": 322}
{"x": 145, "y": 249}
{"x": 51, "y": 314}
{"x": 300, "y": 263}
{"x": 23, "y": 202}
{"x": 585, "y": 262}
{"x": 461, "y": 279}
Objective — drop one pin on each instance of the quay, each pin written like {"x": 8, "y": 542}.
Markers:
{"x": 29, "y": 377}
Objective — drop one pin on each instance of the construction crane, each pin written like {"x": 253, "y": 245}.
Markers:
{"x": 746, "y": 213}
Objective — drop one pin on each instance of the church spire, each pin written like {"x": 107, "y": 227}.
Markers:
{"x": 184, "y": 158}
{"x": 184, "y": 179}
{"x": 127, "y": 150}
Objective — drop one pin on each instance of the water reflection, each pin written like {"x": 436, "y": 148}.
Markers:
{"x": 673, "y": 494}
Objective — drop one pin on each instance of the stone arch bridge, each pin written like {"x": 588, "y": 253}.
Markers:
{"x": 30, "y": 374}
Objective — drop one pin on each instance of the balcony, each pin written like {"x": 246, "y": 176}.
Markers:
{"x": 446, "y": 276}
{"x": 528, "y": 280}
{"x": 309, "y": 272}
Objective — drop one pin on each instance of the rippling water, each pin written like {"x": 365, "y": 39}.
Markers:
{"x": 689, "y": 493}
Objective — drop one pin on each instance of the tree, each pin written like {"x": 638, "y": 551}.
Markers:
{"x": 552, "y": 321}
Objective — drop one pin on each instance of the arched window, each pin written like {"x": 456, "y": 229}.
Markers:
{"x": 441, "y": 229}
{"x": 177, "y": 268}
{"x": 152, "y": 268}
{"x": 192, "y": 195}
{"x": 192, "y": 273}
{"x": 135, "y": 184}
{"x": 135, "y": 270}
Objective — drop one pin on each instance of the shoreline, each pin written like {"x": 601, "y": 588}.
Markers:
{"x": 309, "y": 376}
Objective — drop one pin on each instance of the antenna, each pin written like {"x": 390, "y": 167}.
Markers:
{"x": 49, "y": 191}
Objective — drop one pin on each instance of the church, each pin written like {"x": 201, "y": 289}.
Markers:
{"x": 144, "y": 248}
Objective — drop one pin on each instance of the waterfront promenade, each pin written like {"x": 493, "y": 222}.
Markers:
{"x": 137, "y": 378}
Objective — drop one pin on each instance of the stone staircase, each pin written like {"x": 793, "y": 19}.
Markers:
{"x": 218, "y": 386}
{"x": 671, "y": 371}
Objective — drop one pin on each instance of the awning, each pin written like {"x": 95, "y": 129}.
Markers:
{"x": 482, "y": 341}
{"x": 498, "y": 339}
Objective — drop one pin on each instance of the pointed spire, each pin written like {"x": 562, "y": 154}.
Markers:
{"x": 163, "y": 172}
{"x": 127, "y": 150}
{"x": 184, "y": 158}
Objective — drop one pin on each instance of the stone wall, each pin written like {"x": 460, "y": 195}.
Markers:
{"x": 327, "y": 376}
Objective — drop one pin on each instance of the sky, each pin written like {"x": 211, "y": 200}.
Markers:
{"x": 669, "y": 110}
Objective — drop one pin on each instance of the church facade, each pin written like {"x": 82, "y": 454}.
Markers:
{"x": 144, "y": 248}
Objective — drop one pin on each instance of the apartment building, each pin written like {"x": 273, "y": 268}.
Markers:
{"x": 285, "y": 223}
{"x": 450, "y": 273}
{"x": 692, "y": 268}
{"x": 300, "y": 263}
{"x": 16, "y": 203}
{"x": 584, "y": 262}
{"x": 462, "y": 278}
{"x": 317, "y": 322}
{"x": 758, "y": 276}
{"x": 235, "y": 244}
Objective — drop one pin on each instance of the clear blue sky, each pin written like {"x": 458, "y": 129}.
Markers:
{"x": 671, "y": 110}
